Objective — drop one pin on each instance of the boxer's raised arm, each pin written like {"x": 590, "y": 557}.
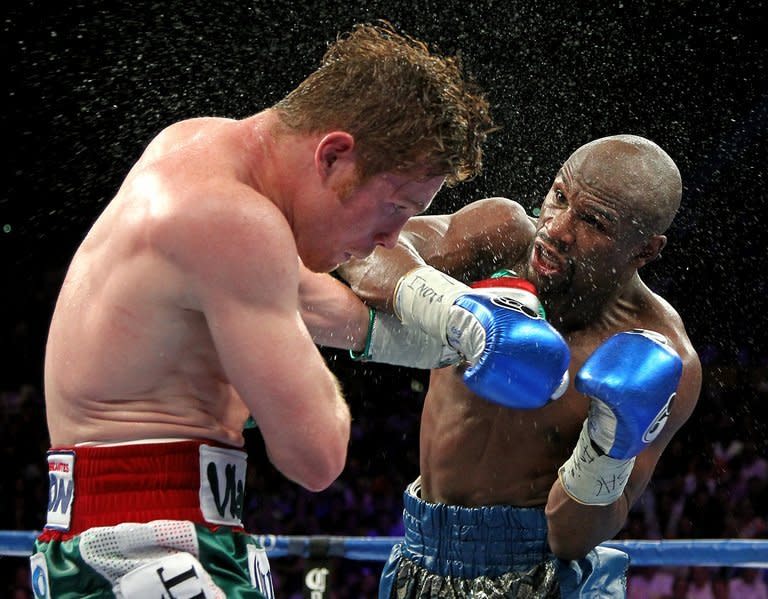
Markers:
{"x": 248, "y": 291}
{"x": 464, "y": 245}
{"x": 334, "y": 315}
{"x": 590, "y": 501}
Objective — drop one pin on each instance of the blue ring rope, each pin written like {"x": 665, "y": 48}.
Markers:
{"x": 742, "y": 553}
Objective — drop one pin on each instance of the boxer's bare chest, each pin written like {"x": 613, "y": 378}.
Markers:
{"x": 474, "y": 452}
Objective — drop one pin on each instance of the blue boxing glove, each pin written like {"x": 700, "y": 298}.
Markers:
{"x": 515, "y": 357}
{"x": 522, "y": 361}
{"x": 631, "y": 380}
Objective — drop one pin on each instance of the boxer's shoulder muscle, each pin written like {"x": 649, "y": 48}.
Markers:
{"x": 657, "y": 314}
{"x": 178, "y": 135}
{"x": 647, "y": 310}
{"x": 228, "y": 239}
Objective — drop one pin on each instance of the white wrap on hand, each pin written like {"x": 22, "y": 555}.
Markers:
{"x": 424, "y": 297}
{"x": 591, "y": 477}
{"x": 391, "y": 342}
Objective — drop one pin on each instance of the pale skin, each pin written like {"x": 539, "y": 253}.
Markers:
{"x": 180, "y": 314}
{"x": 583, "y": 253}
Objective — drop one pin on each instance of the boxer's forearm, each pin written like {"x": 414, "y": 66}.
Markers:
{"x": 631, "y": 380}
{"x": 333, "y": 314}
{"x": 375, "y": 278}
{"x": 460, "y": 244}
{"x": 575, "y": 529}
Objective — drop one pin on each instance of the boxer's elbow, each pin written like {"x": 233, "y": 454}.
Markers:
{"x": 316, "y": 480}
{"x": 566, "y": 546}
{"x": 335, "y": 446}
{"x": 326, "y": 466}
{"x": 324, "y": 459}
{"x": 314, "y": 468}
{"x": 570, "y": 526}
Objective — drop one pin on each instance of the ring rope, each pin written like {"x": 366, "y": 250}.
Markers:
{"x": 740, "y": 553}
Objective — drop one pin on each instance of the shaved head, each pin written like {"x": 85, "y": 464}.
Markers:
{"x": 636, "y": 172}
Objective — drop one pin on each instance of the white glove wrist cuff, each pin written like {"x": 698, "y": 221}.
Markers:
{"x": 423, "y": 299}
{"x": 391, "y": 342}
{"x": 593, "y": 479}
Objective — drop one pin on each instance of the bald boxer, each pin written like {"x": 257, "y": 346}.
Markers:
{"x": 515, "y": 496}
{"x": 180, "y": 316}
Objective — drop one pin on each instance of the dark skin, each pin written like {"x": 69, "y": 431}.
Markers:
{"x": 601, "y": 221}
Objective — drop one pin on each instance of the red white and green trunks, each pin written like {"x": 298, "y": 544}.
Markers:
{"x": 148, "y": 520}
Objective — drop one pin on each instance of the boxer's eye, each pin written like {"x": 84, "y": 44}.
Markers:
{"x": 590, "y": 219}
{"x": 595, "y": 222}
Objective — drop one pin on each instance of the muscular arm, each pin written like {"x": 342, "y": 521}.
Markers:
{"x": 574, "y": 529}
{"x": 467, "y": 244}
{"x": 248, "y": 291}
{"x": 334, "y": 315}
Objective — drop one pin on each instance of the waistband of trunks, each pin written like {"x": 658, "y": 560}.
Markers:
{"x": 468, "y": 542}
{"x": 109, "y": 485}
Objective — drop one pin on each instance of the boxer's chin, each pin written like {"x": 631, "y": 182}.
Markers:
{"x": 327, "y": 264}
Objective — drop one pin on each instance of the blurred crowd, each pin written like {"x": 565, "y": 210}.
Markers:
{"x": 712, "y": 481}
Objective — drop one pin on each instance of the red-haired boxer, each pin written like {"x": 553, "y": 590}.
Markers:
{"x": 180, "y": 316}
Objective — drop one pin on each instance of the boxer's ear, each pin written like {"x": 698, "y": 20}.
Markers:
{"x": 335, "y": 147}
{"x": 650, "y": 250}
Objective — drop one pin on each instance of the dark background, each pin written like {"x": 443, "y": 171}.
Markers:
{"x": 90, "y": 83}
